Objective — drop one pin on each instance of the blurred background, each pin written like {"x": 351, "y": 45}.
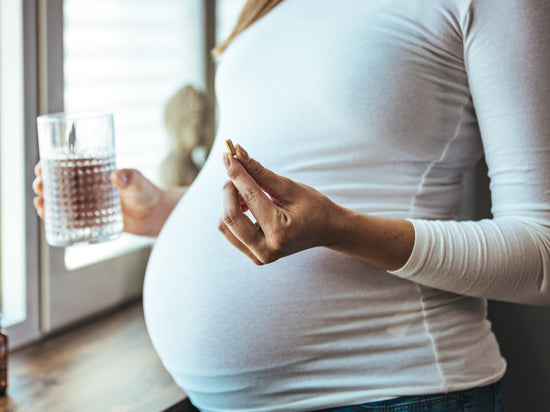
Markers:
{"x": 128, "y": 57}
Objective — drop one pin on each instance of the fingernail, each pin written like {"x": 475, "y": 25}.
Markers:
{"x": 226, "y": 160}
{"x": 241, "y": 152}
{"x": 123, "y": 177}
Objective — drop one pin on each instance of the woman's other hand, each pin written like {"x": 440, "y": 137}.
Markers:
{"x": 38, "y": 189}
{"x": 290, "y": 216}
{"x": 145, "y": 207}
{"x": 139, "y": 199}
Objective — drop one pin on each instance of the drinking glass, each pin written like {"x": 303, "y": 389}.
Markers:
{"x": 77, "y": 156}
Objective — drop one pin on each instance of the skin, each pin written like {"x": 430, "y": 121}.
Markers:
{"x": 289, "y": 216}
{"x": 145, "y": 207}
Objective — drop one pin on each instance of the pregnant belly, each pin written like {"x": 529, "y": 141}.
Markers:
{"x": 210, "y": 309}
{"x": 222, "y": 325}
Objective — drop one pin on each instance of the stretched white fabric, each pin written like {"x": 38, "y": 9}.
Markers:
{"x": 382, "y": 106}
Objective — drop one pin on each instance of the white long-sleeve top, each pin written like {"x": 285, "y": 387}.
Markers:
{"x": 382, "y": 106}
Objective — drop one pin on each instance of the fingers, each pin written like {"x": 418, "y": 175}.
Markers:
{"x": 132, "y": 182}
{"x": 238, "y": 244}
{"x": 265, "y": 238}
{"x": 121, "y": 178}
{"x": 138, "y": 195}
{"x": 274, "y": 184}
{"x": 288, "y": 219}
{"x": 38, "y": 202}
{"x": 238, "y": 229}
{"x": 38, "y": 188}
{"x": 38, "y": 169}
{"x": 37, "y": 182}
{"x": 251, "y": 193}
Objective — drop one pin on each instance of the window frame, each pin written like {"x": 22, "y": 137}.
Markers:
{"x": 28, "y": 330}
{"x": 71, "y": 295}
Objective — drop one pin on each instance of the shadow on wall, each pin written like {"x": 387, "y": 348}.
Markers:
{"x": 522, "y": 331}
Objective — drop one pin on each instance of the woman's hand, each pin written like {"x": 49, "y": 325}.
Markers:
{"x": 291, "y": 217}
{"x": 38, "y": 189}
{"x": 145, "y": 207}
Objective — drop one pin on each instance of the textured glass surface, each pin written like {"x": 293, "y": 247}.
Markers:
{"x": 81, "y": 204}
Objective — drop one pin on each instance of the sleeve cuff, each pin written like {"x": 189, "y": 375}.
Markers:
{"x": 418, "y": 255}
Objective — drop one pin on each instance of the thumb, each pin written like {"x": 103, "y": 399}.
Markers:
{"x": 121, "y": 178}
{"x": 132, "y": 182}
{"x": 274, "y": 184}
{"x": 136, "y": 191}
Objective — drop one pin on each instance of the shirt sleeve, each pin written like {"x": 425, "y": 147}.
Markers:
{"x": 507, "y": 60}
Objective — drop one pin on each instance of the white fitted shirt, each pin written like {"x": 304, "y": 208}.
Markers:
{"x": 382, "y": 106}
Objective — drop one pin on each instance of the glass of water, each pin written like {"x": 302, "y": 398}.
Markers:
{"x": 77, "y": 156}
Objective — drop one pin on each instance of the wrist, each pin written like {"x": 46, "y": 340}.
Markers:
{"x": 384, "y": 242}
{"x": 340, "y": 226}
{"x": 162, "y": 203}
{"x": 168, "y": 198}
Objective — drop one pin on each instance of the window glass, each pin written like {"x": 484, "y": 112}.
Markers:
{"x": 129, "y": 57}
{"x": 12, "y": 165}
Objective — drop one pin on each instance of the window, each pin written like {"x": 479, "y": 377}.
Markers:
{"x": 18, "y": 227}
{"x": 12, "y": 170}
{"x": 129, "y": 57}
{"x": 123, "y": 56}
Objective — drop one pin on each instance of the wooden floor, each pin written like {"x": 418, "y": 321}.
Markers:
{"x": 106, "y": 365}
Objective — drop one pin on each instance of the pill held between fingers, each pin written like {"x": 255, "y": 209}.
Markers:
{"x": 230, "y": 148}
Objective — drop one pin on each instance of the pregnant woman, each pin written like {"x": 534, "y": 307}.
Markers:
{"x": 322, "y": 268}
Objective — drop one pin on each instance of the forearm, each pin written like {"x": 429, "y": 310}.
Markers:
{"x": 384, "y": 242}
{"x": 171, "y": 196}
{"x": 145, "y": 207}
{"x": 168, "y": 199}
{"x": 498, "y": 259}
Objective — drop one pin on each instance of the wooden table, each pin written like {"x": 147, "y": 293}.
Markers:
{"x": 108, "y": 364}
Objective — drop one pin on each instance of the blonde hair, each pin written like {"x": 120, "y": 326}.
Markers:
{"x": 252, "y": 11}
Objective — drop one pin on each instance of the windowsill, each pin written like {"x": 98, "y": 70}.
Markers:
{"x": 85, "y": 255}
{"x": 108, "y": 364}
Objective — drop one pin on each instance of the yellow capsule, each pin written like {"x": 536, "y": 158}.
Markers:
{"x": 230, "y": 147}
